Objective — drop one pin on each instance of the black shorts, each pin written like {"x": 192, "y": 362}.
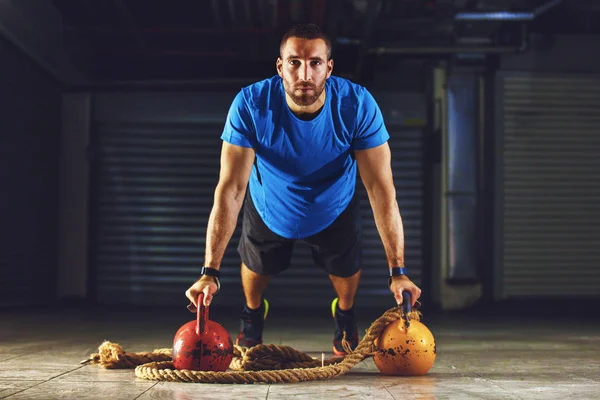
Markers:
{"x": 336, "y": 249}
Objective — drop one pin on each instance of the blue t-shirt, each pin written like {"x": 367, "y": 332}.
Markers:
{"x": 304, "y": 174}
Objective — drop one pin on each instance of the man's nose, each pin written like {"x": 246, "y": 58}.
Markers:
{"x": 304, "y": 74}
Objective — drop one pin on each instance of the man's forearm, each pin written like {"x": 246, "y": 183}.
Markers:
{"x": 221, "y": 224}
{"x": 389, "y": 223}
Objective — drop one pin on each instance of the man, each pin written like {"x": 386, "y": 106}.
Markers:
{"x": 295, "y": 140}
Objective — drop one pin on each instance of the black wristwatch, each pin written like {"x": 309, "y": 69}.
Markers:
{"x": 396, "y": 271}
{"x": 215, "y": 273}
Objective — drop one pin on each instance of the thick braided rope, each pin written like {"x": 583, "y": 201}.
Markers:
{"x": 274, "y": 357}
{"x": 260, "y": 357}
{"x": 112, "y": 356}
{"x": 297, "y": 366}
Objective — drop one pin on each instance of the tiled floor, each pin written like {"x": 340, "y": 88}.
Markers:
{"x": 478, "y": 358}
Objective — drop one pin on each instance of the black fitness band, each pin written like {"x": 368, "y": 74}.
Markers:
{"x": 215, "y": 273}
{"x": 397, "y": 271}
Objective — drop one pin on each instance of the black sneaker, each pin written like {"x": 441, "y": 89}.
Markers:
{"x": 345, "y": 329}
{"x": 252, "y": 324}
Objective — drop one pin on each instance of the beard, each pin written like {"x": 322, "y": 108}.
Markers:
{"x": 304, "y": 98}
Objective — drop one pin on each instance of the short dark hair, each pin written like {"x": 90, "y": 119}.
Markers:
{"x": 306, "y": 31}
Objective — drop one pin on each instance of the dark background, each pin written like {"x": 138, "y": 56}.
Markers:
{"x": 111, "y": 113}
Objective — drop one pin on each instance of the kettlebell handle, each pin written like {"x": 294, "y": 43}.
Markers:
{"x": 201, "y": 316}
{"x": 406, "y": 308}
{"x": 406, "y": 302}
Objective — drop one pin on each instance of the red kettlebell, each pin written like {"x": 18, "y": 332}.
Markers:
{"x": 202, "y": 345}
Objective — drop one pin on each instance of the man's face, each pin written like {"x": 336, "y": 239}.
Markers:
{"x": 304, "y": 68}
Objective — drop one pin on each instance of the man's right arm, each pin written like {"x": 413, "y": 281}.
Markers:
{"x": 236, "y": 165}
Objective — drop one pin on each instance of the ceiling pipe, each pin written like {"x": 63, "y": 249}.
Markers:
{"x": 136, "y": 52}
{"x": 437, "y": 49}
{"x": 454, "y": 49}
{"x": 174, "y": 30}
{"x": 379, "y": 51}
{"x": 506, "y": 15}
{"x": 188, "y": 84}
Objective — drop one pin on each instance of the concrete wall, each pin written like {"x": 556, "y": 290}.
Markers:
{"x": 29, "y": 136}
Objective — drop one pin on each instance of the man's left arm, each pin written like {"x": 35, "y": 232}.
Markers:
{"x": 375, "y": 170}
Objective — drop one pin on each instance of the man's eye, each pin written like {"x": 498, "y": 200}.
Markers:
{"x": 294, "y": 62}
{"x": 316, "y": 63}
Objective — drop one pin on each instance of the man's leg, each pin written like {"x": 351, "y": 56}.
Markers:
{"x": 345, "y": 289}
{"x": 256, "y": 308}
{"x": 337, "y": 250}
{"x": 254, "y": 286}
{"x": 264, "y": 254}
{"x": 345, "y": 336}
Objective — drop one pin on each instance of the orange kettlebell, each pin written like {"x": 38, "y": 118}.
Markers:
{"x": 405, "y": 347}
{"x": 202, "y": 345}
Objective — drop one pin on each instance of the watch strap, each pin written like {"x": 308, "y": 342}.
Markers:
{"x": 215, "y": 273}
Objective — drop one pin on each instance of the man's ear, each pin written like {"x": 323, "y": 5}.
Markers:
{"x": 279, "y": 66}
{"x": 329, "y": 67}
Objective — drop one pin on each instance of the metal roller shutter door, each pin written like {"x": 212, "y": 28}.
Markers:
{"x": 154, "y": 191}
{"x": 551, "y": 212}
